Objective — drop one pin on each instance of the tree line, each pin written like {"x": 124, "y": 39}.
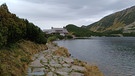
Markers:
{"x": 13, "y": 29}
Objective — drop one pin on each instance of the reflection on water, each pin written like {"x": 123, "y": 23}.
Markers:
{"x": 115, "y": 56}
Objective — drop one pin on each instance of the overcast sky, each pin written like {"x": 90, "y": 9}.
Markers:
{"x": 59, "y": 13}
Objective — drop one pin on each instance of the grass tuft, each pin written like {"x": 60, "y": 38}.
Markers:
{"x": 14, "y": 60}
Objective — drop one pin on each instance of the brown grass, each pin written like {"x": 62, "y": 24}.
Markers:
{"x": 61, "y": 51}
{"x": 91, "y": 70}
{"x": 14, "y": 61}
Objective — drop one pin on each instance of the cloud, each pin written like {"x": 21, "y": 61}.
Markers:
{"x": 48, "y": 13}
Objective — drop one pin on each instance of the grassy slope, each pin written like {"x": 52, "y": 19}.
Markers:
{"x": 14, "y": 60}
{"x": 114, "y": 21}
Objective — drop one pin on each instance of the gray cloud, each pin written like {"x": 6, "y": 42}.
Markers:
{"x": 47, "y": 13}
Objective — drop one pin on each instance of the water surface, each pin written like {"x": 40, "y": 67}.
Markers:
{"x": 115, "y": 56}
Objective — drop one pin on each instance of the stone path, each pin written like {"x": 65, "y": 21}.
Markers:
{"x": 47, "y": 64}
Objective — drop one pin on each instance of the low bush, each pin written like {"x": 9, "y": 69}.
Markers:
{"x": 51, "y": 39}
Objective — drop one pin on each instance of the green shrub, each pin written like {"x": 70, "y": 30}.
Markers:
{"x": 52, "y": 38}
{"x": 69, "y": 36}
{"x": 13, "y": 29}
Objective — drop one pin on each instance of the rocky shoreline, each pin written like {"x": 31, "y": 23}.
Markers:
{"x": 56, "y": 61}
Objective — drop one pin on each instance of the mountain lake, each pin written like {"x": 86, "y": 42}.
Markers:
{"x": 115, "y": 56}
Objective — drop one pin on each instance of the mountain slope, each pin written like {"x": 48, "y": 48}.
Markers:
{"x": 115, "y": 21}
{"x": 78, "y": 31}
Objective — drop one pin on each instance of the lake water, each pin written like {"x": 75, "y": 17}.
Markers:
{"x": 115, "y": 56}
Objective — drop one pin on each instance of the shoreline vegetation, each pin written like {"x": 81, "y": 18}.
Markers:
{"x": 15, "y": 59}
{"x": 57, "y": 61}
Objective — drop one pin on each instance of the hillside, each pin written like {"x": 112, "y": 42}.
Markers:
{"x": 19, "y": 40}
{"x": 114, "y": 22}
{"x": 78, "y": 31}
{"x": 13, "y": 29}
{"x": 14, "y": 60}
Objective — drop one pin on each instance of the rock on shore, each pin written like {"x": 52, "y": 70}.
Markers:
{"x": 56, "y": 61}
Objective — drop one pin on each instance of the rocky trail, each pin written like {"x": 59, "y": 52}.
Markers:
{"x": 46, "y": 63}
